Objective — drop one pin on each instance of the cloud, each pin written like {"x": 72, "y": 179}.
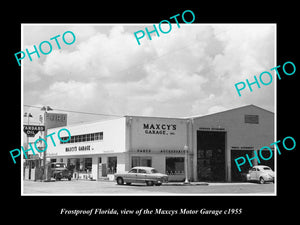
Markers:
{"x": 189, "y": 71}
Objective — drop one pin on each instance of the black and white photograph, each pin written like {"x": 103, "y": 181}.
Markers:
{"x": 146, "y": 112}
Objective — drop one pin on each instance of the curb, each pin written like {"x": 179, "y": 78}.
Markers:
{"x": 186, "y": 184}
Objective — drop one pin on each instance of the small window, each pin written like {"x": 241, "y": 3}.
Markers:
{"x": 267, "y": 168}
{"x": 88, "y": 137}
{"x": 133, "y": 171}
{"x": 84, "y": 138}
{"x": 142, "y": 171}
{"x": 97, "y": 136}
{"x": 253, "y": 119}
{"x": 154, "y": 171}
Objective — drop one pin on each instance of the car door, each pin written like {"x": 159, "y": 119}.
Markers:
{"x": 258, "y": 172}
{"x": 253, "y": 174}
{"x": 131, "y": 176}
{"x": 141, "y": 175}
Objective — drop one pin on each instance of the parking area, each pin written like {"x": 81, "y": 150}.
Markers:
{"x": 82, "y": 187}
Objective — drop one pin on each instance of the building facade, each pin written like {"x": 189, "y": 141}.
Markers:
{"x": 208, "y": 144}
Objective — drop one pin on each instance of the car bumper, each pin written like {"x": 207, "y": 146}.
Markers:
{"x": 269, "y": 179}
{"x": 163, "y": 180}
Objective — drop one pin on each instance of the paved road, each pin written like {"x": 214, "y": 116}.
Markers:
{"x": 81, "y": 187}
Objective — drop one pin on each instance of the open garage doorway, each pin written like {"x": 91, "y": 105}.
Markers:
{"x": 211, "y": 155}
{"x": 237, "y": 175}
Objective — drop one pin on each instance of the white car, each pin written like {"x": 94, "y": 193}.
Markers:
{"x": 261, "y": 174}
{"x": 140, "y": 174}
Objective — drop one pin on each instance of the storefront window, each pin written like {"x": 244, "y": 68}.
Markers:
{"x": 82, "y": 138}
{"x": 174, "y": 165}
{"x": 111, "y": 165}
{"x": 80, "y": 164}
{"x": 141, "y": 161}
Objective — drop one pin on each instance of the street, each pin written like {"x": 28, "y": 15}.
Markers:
{"x": 81, "y": 187}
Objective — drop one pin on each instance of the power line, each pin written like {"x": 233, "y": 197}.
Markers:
{"x": 72, "y": 111}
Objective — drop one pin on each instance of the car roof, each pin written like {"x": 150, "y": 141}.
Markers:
{"x": 260, "y": 166}
{"x": 142, "y": 167}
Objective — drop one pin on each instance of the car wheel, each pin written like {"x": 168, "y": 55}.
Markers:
{"x": 149, "y": 183}
{"x": 120, "y": 181}
{"x": 261, "y": 180}
{"x": 157, "y": 184}
{"x": 69, "y": 178}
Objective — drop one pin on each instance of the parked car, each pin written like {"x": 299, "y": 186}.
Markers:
{"x": 59, "y": 171}
{"x": 261, "y": 174}
{"x": 140, "y": 174}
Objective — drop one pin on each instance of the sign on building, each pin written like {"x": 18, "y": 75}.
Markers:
{"x": 32, "y": 130}
{"x": 53, "y": 120}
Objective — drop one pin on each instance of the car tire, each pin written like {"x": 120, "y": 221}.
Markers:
{"x": 157, "y": 184}
{"x": 120, "y": 181}
{"x": 149, "y": 183}
{"x": 69, "y": 178}
{"x": 261, "y": 180}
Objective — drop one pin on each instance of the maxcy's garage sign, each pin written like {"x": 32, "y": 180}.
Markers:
{"x": 79, "y": 148}
{"x": 158, "y": 128}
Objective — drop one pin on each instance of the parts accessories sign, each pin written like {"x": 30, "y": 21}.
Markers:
{"x": 32, "y": 130}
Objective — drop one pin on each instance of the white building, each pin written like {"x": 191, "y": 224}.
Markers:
{"x": 103, "y": 148}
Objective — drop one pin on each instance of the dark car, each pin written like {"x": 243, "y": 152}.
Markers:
{"x": 59, "y": 171}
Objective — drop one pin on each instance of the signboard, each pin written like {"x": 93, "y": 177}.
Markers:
{"x": 78, "y": 148}
{"x": 53, "y": 120}
{"x": 159, "y": 128}
{"x": 32, "y": 130}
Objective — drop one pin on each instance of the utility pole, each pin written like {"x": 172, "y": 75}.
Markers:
{"x": 45, "y": 175}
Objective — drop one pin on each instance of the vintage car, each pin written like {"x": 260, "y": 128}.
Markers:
{"x": 140, "y": 174}
{"x": 59, "y": 171}
{"x": 261, "y": 174}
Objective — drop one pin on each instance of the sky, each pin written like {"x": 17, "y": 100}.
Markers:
{"x": 190, "y": 71}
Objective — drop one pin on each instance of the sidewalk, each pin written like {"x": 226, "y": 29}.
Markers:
{"x": 184, "y": 184}
{"x": 206, "y": 183}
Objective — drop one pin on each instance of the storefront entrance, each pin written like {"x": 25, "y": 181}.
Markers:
{"x": 211, "y": 155}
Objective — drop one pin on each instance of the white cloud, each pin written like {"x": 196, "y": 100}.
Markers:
{"x": 191, "y": 70}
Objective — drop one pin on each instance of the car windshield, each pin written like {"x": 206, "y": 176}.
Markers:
{"x": 60, "y": 165}
{"x": 267, "y": 168}
{"x": 133, "y": 171}
{"x": 153, "y": 171}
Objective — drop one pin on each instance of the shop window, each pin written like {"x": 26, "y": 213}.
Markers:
{"x": 80, "y": 164}
{"x": 111, "y": 165}
{"x": 174, "y": 165}
{"x": 88, "y": 164}
{"x": 141, "y": 161}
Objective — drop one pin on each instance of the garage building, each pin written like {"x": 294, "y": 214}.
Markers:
{"x": 98, "y": 150}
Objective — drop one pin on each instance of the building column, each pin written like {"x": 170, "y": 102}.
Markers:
{"x": 95, "y": 167}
